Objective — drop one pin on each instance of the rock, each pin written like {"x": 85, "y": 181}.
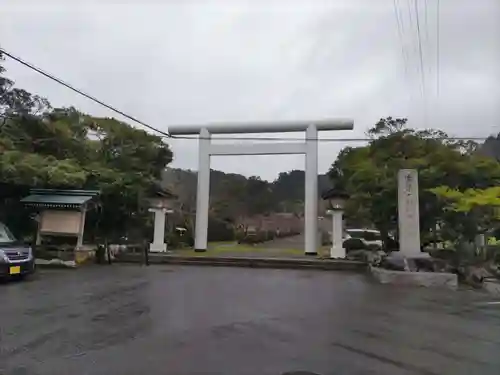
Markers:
{"x": 56, "y": 262}
{"x": 475, "y": 275}
{"x": 397, "y": 262}
{"x": 492, "y": 286}
{"x": 356, "y": 255}
{"x": 424, "y": 262}
{"x": 438, "y": 265}
{"x": 371, "y": 257}
{"x": 375, "y": 257}
{"x": 493, "y": 269}
{"x": 420, "y": 263}
{"x": 424, "y": 279}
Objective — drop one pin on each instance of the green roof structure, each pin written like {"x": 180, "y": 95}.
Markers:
{"x": 59, "y": 199}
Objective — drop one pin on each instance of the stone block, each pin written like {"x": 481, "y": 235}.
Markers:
{"x": 492, "y": 286}
{"x": 408, "y": 278}
{"x": 56, "y": 263}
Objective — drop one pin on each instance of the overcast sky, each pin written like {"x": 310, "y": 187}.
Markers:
{"x": 185, "y": 62}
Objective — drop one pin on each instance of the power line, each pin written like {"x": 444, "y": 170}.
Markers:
{"x": 437, "y": 48}
{"x": 167, "y": 135}
{"x": 421, "y": 61}
{"x": 421, "y": 57}
{"x": 399, "y": 25}
{"x": 426, "y": 27}
{"x": 88, "y": 96}
{"x": 413, "y": 48}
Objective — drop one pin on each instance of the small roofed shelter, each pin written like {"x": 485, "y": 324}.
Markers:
{"x": 161, "y": 203}
{"x": 61, "y": 212}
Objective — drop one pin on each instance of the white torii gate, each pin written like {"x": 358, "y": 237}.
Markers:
{"x": 309, "y": 148}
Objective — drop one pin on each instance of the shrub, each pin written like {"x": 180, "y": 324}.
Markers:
{"x": 219, "y": 230}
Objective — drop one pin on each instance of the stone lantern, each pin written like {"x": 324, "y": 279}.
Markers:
{"x": 161, "y": 204}
{"x": 337, "y": 199}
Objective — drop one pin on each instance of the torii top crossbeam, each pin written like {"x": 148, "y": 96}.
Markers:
{"x": 263, "y": 127}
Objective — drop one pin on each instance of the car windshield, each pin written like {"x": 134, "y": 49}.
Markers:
{"x": 364, "y": 234}
{"x": 5, "y": 234}
{"x": 372, "y": 236}
{"x": 355, "y": 233}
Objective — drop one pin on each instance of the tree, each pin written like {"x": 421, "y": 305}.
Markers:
{"x": 470, "y": 212}
{"x": 64, "y": 148}
{"x": 369, "y": 173}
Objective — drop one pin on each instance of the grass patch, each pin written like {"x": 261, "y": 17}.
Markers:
{"x": 233, "y": 248}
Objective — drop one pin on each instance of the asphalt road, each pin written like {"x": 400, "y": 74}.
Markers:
{"x": 120, "y": 320}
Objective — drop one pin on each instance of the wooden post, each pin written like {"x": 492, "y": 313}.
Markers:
{"x": 146, "y": 254}
{"x": 108, "y": 251}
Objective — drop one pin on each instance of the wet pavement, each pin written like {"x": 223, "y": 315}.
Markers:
{"x": 128, "y": 319}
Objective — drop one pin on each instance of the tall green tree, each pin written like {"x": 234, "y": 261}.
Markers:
{"x": 469, "y": 212}
{"x": 41, "y": 146}
{"x": 369, "y": 173}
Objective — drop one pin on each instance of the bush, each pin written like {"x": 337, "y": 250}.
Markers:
{"x": 326, "y": 239}
{"x": 219, "y": 230}
{"x": 173, "y": 240}
{"x": 239, "y": 236}
{"x": 256, "y": 237}
{"x": 493, "y": 253}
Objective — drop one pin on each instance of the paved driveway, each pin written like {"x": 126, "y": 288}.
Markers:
{"x": 122, "y": 320}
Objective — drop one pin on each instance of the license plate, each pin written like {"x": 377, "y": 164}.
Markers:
{"x": 15, "y": 270}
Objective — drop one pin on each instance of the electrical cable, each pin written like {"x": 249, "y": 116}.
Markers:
{"x": 88, "y": 96}
{"x": 426, "y": 27}
{"x": 438, "y": 37}
{"x": 167, "y": 135}
{"x": 400, "y": 28}
{"x": 421, "y": 57}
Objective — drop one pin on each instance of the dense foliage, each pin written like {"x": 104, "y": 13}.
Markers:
{"x": 41, "y": 146}
{"x": 369, "y": 174}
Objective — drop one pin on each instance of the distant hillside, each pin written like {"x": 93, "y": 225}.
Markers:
{"x": 233, "y": 195}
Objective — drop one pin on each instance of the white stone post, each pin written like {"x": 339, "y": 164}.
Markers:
{"x": 408, "y": 213}
{"x": 311, "y": 191}
{"x": 38, "y": 219}
{"x": 158, "y": 245}
{"x": 81, "y": 230}
{"x": 337, "y": 250}
{"x": 203, "y": 192}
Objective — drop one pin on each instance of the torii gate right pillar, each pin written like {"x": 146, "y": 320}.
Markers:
{"x": 311, "y": 192}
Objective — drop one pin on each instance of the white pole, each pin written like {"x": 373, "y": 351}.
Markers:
{"x": 337, "y": 250}
{"x": 203, "y": 191}
{"x": 311, "y": 191}
{"x": 38, "y": 240}
{"x": 158, "y": 245}
{"x": 79, "y": 240}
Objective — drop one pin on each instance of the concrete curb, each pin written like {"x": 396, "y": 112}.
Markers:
{"x": 55, "y": 263}
{"x": 290, "y": 263}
